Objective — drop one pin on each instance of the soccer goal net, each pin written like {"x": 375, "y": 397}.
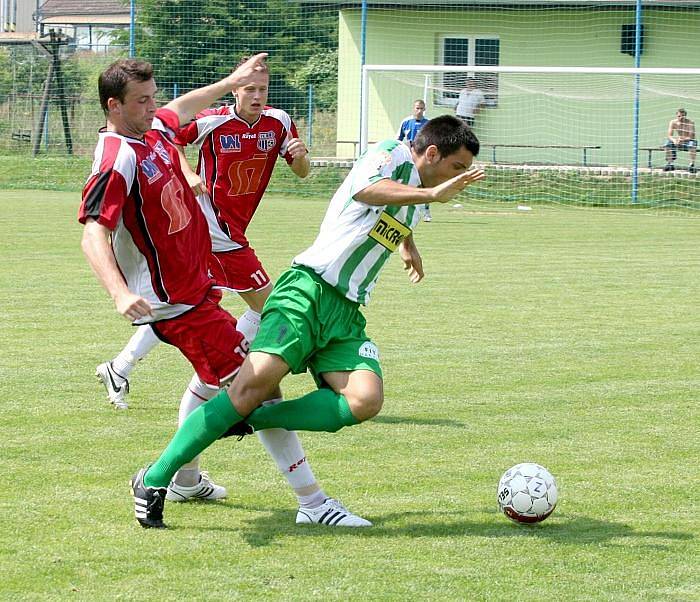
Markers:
{"x": 585, "y": 136}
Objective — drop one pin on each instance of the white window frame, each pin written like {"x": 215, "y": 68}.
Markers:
{"x": 441, "y": 99}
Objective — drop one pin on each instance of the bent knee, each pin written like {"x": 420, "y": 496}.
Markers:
{"x": 364, "y": 407}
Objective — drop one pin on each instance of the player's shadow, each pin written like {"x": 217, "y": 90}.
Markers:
{"x": 270, "y": 526}
{"x": 421, "y": 421}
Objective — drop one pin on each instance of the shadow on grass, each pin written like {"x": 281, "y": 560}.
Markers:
{"x": 412, "y": 420}
{"x": 273, "y": 525}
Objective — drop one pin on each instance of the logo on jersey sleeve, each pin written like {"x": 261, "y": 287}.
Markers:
{"x": 150, "y": 170}
{"x": 389, "y": 232}
{"x": 266, "y": 141}
{"x": 230, "y": 143}
{"x": 162, "y": 153}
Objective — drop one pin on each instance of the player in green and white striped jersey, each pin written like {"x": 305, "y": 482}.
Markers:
{"x": 312, "y": 319}
{"x": 356, "y": 239}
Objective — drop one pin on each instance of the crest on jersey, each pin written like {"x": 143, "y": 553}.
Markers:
{"x": 230, "y": 143}
{"x": 266, "y": 141}
{"x": 150, "y": 170}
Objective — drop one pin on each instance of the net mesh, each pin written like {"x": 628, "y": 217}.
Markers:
{"x": 317, "y": 50}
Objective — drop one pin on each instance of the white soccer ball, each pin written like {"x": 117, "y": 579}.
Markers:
{"x": 527, "y": 493}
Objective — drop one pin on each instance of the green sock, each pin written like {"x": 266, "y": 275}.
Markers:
{"x": 322, "y": 410}
{"x": 202, "y": 427}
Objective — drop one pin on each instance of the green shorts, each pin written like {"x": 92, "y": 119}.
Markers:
{"x": 311, "y": 326}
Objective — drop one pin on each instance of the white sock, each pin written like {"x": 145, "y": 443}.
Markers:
{"x": 248, "y": 324}
{"x": 138, "y": 347}
{"x": 285, "y": 449}
{"x": 312, "y": 501}
{"x": 195, "y": 395}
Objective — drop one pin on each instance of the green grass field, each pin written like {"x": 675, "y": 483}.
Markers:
{"x": 566, "y": 337}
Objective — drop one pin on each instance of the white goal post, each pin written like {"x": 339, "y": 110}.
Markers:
{"x": 368, "y": 69}
{"x": 547, "y": 116}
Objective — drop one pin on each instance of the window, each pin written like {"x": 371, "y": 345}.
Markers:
{"x": 468, "y": 50}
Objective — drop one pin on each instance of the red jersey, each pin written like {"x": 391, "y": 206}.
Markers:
{"x": 235, "y": 162}
{"x": 160, "y": 238}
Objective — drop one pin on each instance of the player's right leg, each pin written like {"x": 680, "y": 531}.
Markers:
{"x": 114, "y": 374}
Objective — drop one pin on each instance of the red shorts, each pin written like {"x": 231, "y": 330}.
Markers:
{"x": 207, "y": 336}
{"x": 239, "y": 270}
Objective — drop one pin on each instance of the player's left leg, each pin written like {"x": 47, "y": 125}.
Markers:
{"x": 207, "y": 337}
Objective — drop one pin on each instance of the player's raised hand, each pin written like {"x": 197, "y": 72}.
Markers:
{"x": 133, "y": 307}
{"x": 449, "y": 189}
{"x": 241, "y": 76}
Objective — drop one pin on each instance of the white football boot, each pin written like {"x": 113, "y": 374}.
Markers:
{"x": 206, "y": 489}
{"x": 109, "y": 378}
{"x": 331, "y": 513}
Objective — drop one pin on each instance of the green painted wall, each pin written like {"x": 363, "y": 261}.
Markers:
{"x": 584, "y": 110}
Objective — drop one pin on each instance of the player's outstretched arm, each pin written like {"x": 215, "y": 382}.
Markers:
{"x": 188, "y": 105}
{"x": 389, "y": 192}
{"x": 97, "y": 249}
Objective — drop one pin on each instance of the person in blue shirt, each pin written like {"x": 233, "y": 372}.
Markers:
{"x": 409, "y": 130}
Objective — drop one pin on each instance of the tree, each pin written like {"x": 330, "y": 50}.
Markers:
{"x": 194, "y": 42}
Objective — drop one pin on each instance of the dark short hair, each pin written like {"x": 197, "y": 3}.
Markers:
{"x": 113, "y": 80}
{"x": 683, "y": 112}
{"x": 448, "y": 134}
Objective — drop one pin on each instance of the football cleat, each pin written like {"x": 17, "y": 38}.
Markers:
{"x": 148, "y": 502}
{"x": 108, "y": 377}
{"x": 206, "y": 489}
{"x": 669, "y": 167}
{"x": 331, "y": 513}
{"x": 240, "y": 430}
{"x": 691, "y": 168}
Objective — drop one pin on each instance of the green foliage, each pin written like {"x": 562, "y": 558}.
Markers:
{"x": 192, "y": 43}
{"x": 320, "y": 71}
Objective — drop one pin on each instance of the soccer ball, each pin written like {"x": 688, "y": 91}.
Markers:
{"x": 527, "y": 493}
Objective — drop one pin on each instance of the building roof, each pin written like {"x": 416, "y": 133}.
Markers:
{"x": 67, "y": 9}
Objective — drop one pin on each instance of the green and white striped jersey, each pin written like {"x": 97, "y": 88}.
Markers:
{"x": 356, "y": 239}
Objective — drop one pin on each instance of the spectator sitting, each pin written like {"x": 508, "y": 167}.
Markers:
{"x": 684, "y": 139}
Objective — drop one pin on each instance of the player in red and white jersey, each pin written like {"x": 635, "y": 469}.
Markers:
{"x": 147, "y": 241}
{"x": 239, "y": 146}
{"x": 159, "y": 235}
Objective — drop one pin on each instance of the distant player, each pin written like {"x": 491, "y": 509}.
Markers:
{"x": 312, "y": 319}
{"x": 681, "y": 135}
{"x": 409, "y": 130}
